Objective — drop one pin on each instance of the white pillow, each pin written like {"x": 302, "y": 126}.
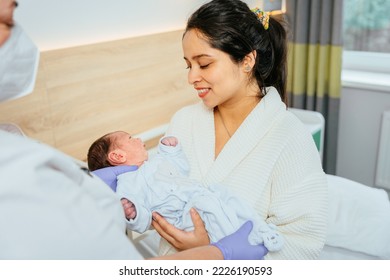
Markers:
{"x": 359, "y": 217}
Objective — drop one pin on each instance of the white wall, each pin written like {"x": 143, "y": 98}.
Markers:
{"x": 54, "y": 24}
{"x": 361, "y": 112}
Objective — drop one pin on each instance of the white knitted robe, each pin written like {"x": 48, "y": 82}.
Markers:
{"x": 272, "y": 161}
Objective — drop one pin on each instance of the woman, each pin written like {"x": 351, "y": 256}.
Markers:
{"x": 63, "y": 200}
{"x": 241, "y": 134}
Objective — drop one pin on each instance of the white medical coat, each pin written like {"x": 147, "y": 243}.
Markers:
{"x": 51, "y": 209}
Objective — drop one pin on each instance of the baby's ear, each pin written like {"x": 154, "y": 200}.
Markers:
{"x": 117, "y": 157}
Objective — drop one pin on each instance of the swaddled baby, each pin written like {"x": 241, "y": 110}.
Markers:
{"x": 161, "y": 184}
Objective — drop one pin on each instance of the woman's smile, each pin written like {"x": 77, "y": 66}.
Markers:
{"x": 203, "y": 92}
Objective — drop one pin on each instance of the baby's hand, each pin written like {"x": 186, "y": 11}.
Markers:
{"x": 129, "y": 209}
{"x": 169, "y": 141}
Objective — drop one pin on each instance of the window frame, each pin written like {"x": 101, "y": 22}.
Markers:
{"x": 366, "y": 61}
{"x": 366, "y": 70}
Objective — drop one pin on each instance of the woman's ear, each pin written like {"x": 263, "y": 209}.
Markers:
{"x": 117, "y": 157}
{"x": 249, "y": 61}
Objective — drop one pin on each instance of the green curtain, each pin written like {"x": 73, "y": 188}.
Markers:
{"x": 314, "y": 64}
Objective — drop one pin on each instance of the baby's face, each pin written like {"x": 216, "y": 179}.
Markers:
{"x": 134, "y": 147}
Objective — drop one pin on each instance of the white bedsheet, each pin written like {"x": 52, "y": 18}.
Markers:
{"x": 359, "y": 220}
{"x": 335, "y": 253}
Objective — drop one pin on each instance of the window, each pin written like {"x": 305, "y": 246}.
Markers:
{"x": 274, "y": 6}
{"x": 366, "y": 35}
{"x": 367, "y": 25}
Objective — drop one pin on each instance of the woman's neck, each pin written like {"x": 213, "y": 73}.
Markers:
{"x": 229, "y": 117}
{"x": 234, "y": 114}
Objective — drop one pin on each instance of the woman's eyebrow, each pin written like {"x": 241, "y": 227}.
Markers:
{"x": 197, "y": 56}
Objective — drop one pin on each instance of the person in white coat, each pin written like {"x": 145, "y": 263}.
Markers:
{"x": 50, "y": 207}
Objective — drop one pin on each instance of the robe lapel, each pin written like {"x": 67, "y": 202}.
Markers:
{"x": 204, "y": 140}
{"x": 245, "y": 139}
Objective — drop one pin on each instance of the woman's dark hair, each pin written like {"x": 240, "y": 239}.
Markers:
{"x": 98, "y": 152}
{"x": 230, "y": 26}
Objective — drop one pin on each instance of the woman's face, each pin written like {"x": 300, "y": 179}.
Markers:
{"x": 213, "y": 74}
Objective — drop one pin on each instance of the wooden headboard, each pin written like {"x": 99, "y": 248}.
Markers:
{"x": 84, "y": 92}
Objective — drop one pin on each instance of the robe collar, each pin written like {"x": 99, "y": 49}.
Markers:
{"x": 242, "y": 142}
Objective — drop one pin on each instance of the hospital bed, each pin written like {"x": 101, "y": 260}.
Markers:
{"x": 359, "y": 215}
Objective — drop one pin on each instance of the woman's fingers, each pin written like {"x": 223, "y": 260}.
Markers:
{"x": 180, "y": 239}
{"x": 197, "y": 220}
{"x": 199, "y": 227}
{"x": 163, "y": 228}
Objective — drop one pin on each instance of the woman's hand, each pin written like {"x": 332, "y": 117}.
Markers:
{"x": 181, "y": 239}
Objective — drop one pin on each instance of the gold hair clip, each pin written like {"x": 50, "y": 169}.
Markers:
{"x": 262, "y": 16}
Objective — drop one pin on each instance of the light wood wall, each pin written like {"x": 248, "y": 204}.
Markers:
{"x": 84, "y": 92}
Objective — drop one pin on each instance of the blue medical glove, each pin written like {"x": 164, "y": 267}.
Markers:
{"x": 109, "y": 174}
{"x": 237, "y": 247}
